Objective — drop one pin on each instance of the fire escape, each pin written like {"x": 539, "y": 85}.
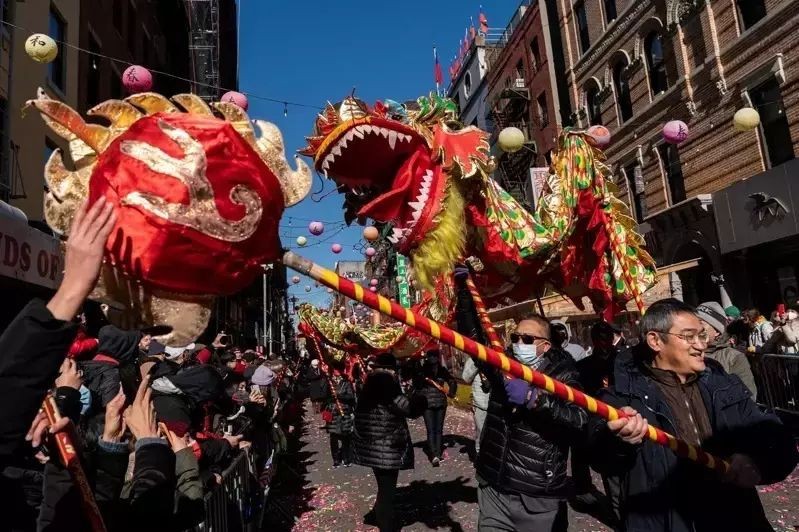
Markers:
{"x": 510, "y": 107}
{"x": 203, "y": 18}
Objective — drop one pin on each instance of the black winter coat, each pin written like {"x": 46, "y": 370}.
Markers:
{"x": 524, "y": 450}
{"x": 661, "y": 492}
{"x": 381, "y": 438}
{"x": 317, "y": 384}
{"x": 102, "y": 379}
{"x": 343, "y": 422}
{"x": 436, "y": 399}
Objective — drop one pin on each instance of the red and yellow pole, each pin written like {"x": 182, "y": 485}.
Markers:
{"x": 482, "y": 313}
{"x": 490, "y": 356}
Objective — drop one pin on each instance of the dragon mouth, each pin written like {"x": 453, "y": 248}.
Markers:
{"x": 387, "y": 166}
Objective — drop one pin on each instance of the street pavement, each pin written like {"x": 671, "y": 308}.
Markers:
{"x": 310, "y": 495}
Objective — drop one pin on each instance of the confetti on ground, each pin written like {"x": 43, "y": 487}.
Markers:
{"x": 312, "y": 496}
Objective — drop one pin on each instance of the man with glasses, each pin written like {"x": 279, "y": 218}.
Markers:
{"x": 521, "y": 468}
{"x": 670, "y": 384}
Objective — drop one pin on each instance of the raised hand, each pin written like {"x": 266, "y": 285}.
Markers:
{"x": 114, "y": 422}
{"x": 140, "y": 415}
{"x": 69, "y": 375}
{"x": 83, "y": 258}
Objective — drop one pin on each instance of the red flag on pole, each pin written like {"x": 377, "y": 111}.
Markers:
{"x": 483, "y": 22}
{"x": 439, "y": 77}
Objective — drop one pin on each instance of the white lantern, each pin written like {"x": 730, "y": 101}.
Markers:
{"x": 511, "y": 139}
{"x": 746, "y": 119}
{"x": 41, "y": 48}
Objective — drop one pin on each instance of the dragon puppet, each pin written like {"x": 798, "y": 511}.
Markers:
{"x": 198, "y": 195}
{"x": 416, "y": 167}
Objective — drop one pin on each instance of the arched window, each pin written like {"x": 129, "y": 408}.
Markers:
{"x": 467, "y": 84}
{"x": 593, "y": 104}
{"x": 658, "y": 76}
{"x": 622, "y": 86}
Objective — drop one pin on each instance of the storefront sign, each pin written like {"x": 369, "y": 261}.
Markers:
{"x": 403, "y": 289}
{"x": 29, "y": 255}
{"x": 759, "y": 209}
{"x": 354, "y": 270}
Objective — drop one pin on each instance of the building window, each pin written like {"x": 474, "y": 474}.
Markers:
{"x": 56, "y": 70}
{"x": 467, "y": 85}
{"x": 635, "y": 182}
{"x": 750, "y": 12}
{"x": 520, "y": 69}
{"x": 132, "y": 28}
{"x": 594, "y": 105}
{"x": 610, "y": 11}
{"x": 94, "y": 76}
{"x": 582, "y": 26}
{"x": 622, "y": 86}
{"x": 655, "y": 62}
{"x": 543, "y": 113}
{"x": 536, "y": 54}
{"x": 672, "y": 169}
{"x": 776, "y": 133}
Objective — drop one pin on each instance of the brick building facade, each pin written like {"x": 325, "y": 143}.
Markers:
{"x": 633, "y": 65}
{"x": 523, "y": 92}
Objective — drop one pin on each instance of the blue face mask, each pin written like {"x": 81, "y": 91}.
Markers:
{"x": 85, "y": 399}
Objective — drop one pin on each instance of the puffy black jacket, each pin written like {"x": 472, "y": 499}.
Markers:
{"x": 102, "y": 379}
{"x": 381, "y": 438}
{"x": 661, "y": 492}
{"x": 317, "y": 384}
{"x": 342, "y": 422}
{"x": 524, "y": 450}
{"x": 440, "y": 376}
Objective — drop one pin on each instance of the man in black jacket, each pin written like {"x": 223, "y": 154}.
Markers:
{"x": 525, "y": 444}
{"x": 669, "y": 383}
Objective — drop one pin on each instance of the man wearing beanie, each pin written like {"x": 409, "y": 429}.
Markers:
{"x": 719, "y": 346}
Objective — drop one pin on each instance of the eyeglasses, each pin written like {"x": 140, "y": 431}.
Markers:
{"x": 526, "y": 338}
{"x": 690, "y": 337}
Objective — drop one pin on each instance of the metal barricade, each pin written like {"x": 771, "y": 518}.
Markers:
{"x": 778, "y": 382}
{"x": 236, "y": 504}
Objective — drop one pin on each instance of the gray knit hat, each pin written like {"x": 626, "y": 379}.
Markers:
{"x": 713, "y": 313}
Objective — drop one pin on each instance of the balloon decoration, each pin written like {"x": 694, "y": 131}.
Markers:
{"x": 511, "y": 139}
{"x": 237, "y": 98}
{"x": 598, "y": 136}
{"x": 371, "y": 233}
{"x": 301, "y": 241}
{"x": 370, "y": 252}
{"x": 675, "y": 132}
{"x": 295, "y": 279}
{"x": 373, "y": 289}
{"x": 373, "y": 282}
{"x": 746, "y": 119}
{"x": 308, "y": 288}
{"x": 41, "y": 48}
{"x": 316, "y": 228}
{"x": 336, "y": 248}
{"x": 137, "y": 79}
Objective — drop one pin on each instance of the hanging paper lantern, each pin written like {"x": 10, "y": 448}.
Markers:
{"x": 237, "y": 98}
{"x": 598, "y": 136}
{"x": 373, "y": 289}
{"x": 675, "y": 132}
{"x": 336, "y": 248}
{"x": 371, "y": 233}
{"x": 370, "y": 252}
{"x": 301, "y": 241}
{"x": 373, "y": 282}
{"x": 316, "y": 228}
{"x": 308, "y": 288}
{"x": 295, "y": 279}
{"x": 511, "y": 139}
{"x": 136, "y": 79}
{"x": 746, "y": 119}
{"x": 41, "y": 48}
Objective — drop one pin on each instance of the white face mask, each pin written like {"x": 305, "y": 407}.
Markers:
{"x": 527, "y": 354}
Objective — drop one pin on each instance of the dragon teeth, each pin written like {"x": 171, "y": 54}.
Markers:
{"x": 349, "y": 136}
{"x": 336, "y": 151}
{"x": 384, "y": 132}
{"x": 392, "y": 139}
{"x": 358, "y": 133}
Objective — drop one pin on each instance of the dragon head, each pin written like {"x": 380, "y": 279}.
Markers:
{"x": 395, "y": 163}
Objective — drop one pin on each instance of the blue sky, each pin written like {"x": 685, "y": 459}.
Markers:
{"x": 313, "y": 51}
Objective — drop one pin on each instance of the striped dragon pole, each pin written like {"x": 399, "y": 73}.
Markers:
{"x": 482, "y": 313}
{"x": 490, "y": 356}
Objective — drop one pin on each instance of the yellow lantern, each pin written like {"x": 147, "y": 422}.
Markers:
{"x": 746, "y": 119}
{"x": 371, "y": 233}
{"x": 41, "y": 48}
{"x": 511, "y": 139}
